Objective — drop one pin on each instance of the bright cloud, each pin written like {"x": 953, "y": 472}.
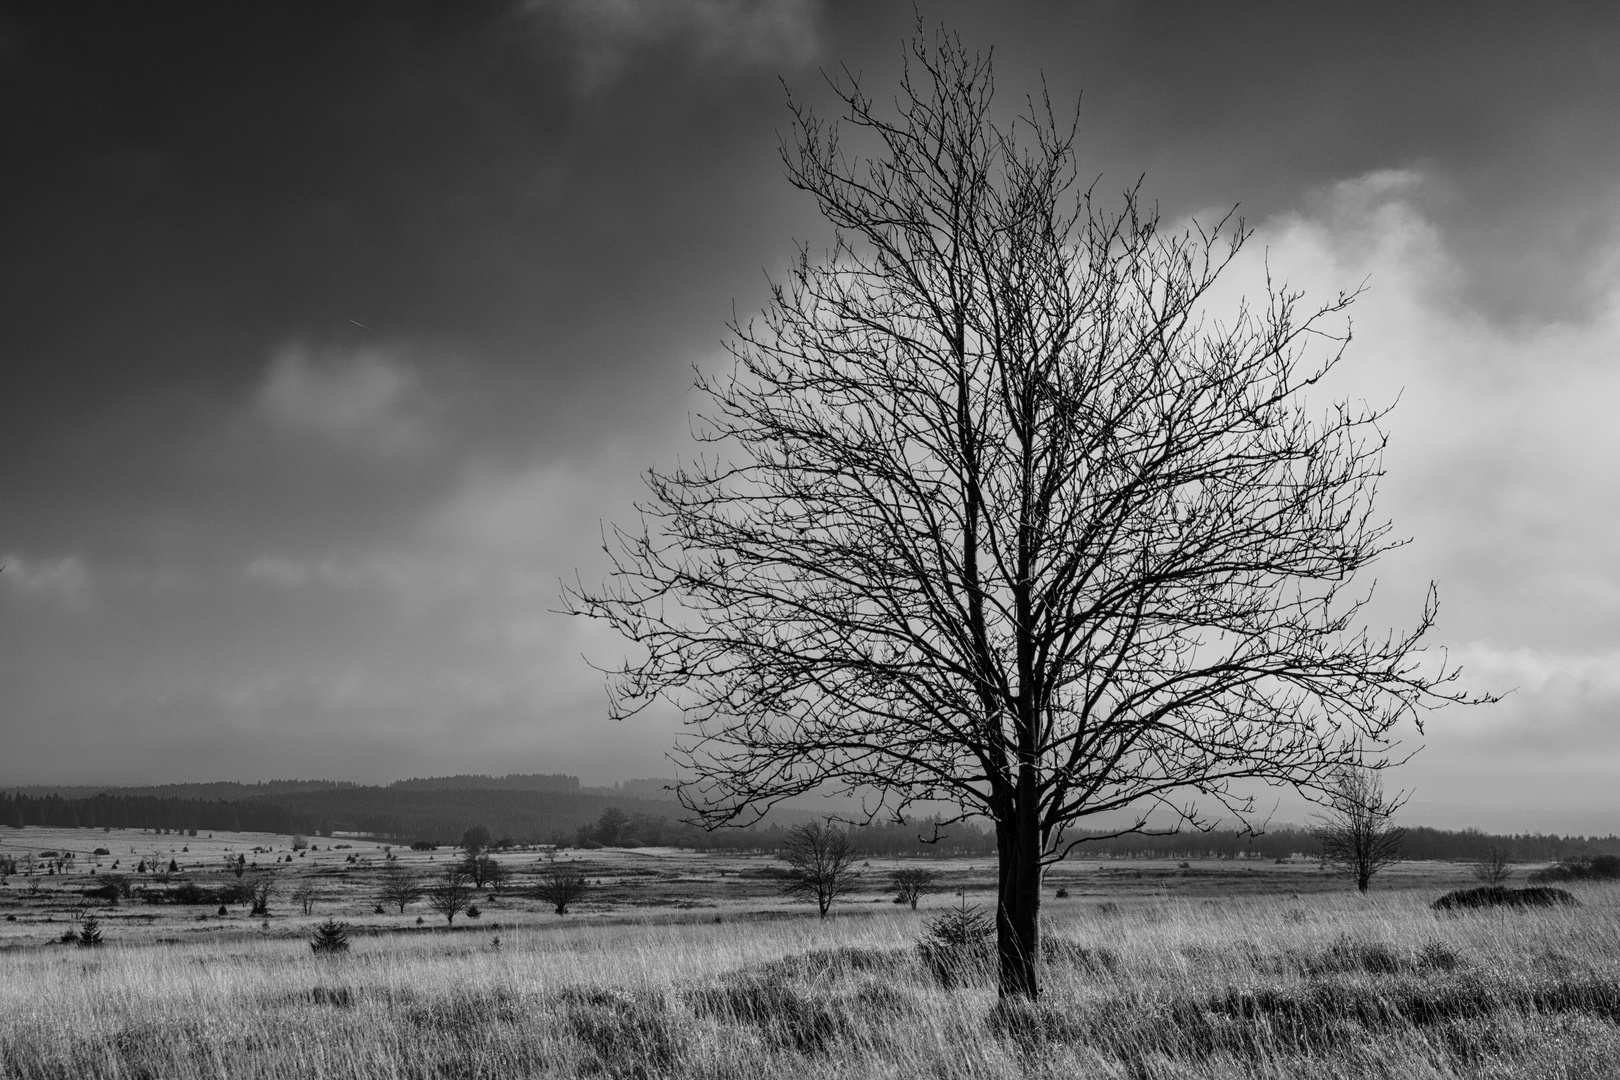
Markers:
{"x": 1503, "y": 468}
{"x": 367, "y": 398}
{"x": 66, "y": 579}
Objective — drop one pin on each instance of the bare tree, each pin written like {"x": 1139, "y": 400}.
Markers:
{"x": 484, "y": 869}
{"x": 821, "y": 864}
{"x": 451, "y": 894}
{"x": 399, "y": 887}
{"x": 259, "y": 895}
{"x": 560, "y": 885}
{"x": 910, "y": 883}
{"x": 997, "y": 512}
{"x": 494, "y": 874}
{"x": 1493, "y": 867}
{"x": 304, "y": 895}
{"x": 1354, "y": 829}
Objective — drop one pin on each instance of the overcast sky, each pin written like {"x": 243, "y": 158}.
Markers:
{"x": 332, "y": 332}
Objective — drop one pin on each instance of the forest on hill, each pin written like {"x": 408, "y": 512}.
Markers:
{"x": 553, "y": 809}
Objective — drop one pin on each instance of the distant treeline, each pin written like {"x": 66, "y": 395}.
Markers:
{"x": 484, "y": 782}
{"x": 107, "y": 811}
{"x": 218, "y": 789}
{"x": 422, "y": 810}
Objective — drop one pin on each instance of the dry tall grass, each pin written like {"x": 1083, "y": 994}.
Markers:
{"x": 1330, "y": 987}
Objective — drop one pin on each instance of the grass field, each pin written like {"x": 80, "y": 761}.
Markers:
{"x": 1208, "y": 970}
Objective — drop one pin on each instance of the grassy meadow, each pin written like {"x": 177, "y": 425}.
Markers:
{"x": 684, "y": 965}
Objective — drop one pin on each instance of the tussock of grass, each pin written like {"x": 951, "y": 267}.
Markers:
{"x": 1488, "y": 896}
{"x": 633, "y": 1036}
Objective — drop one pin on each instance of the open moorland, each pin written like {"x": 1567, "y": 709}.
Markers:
{"x": 692, "y": 965}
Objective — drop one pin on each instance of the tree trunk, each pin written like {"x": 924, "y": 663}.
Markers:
{"x": 1018, "y": 904}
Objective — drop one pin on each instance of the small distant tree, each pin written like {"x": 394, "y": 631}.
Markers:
{"x": 304, "y": 896}
{"x": 561, "y": 884}
{"x": 490, "y": 873}
{"x": 482, "y": 868}
{"x": 475, "y": 839}
{"x": 399, "y": 887}
{"x": 911, "y": 883}
{"x": 117, "y": 887}
{"x": 451, "y": 894}
{"x": 1493, "y": 867}
{"x": 262, "y": 890}
{"x": 89, "y": 935}
{"x": 821, "y": 864}
{"x": 609, "y": 825}
{"x": 1355, "y": 830}
{"x": 331, "y": 938}
{"x": 958, "y": 943}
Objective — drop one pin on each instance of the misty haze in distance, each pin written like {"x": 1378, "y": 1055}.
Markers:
{"x": 331, "y": 336}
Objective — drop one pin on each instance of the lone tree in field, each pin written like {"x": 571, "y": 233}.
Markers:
{"x": 451, "y": 894}
{"x": 475, "y": 840}
{"x": 399, "y": 887}
{"x": 1354, "y": 829}
{"x": 304, "y": 895}
{"x": 997, "y": 511}
{"x": 1493, "y": 867}
{"x": 820, "y": 864}
{"x": 910, "y": 883}
{"x": 560, "y": 885}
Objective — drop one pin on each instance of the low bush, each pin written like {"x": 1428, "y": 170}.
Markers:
{"x": 1489, "y": 896}
{"x": 1598, "y": 868}
{"x": 189, "y": 892}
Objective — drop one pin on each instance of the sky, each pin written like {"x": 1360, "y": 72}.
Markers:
{"x": 333, "y": 334}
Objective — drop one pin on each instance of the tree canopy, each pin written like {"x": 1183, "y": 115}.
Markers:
{"x": 996, "y": 511}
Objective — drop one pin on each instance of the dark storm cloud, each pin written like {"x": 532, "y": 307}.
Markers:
{"x": 332, "y": 331}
